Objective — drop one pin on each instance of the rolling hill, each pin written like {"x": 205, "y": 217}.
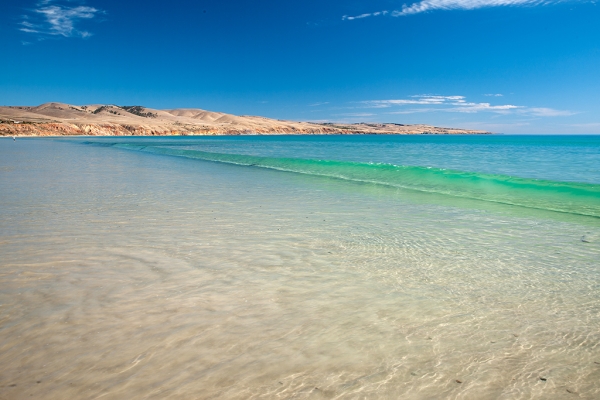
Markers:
{"x": 59, "y": 119}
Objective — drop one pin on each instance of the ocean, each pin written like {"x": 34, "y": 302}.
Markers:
{"x": 413, "y": 267}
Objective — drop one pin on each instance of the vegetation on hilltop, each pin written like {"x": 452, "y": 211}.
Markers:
{"x": 139, "y": 110}
{"x": 136, "y": 110}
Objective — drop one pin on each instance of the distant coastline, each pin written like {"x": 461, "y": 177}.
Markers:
{"x": 59, "y": 119}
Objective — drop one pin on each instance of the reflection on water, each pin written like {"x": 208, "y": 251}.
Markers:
{"x": 125, "y": 274}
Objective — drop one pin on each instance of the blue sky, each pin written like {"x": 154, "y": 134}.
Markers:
{"x": 513, "y": 66}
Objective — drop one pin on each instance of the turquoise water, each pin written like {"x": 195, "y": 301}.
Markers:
{"x": 554, "y": 173}
{"x": 559, "y": 158}
{"x": 300, "y": 267}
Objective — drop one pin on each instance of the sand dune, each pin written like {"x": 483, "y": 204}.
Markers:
{"x": 61, "y": 119}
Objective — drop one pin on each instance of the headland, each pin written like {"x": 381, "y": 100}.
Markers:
{"x": 59, "y": 119}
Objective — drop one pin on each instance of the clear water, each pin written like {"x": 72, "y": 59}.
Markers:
{"x": 560, "y": 158}
{"x": 300, "y": 267}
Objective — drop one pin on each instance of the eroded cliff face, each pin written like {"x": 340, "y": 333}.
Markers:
{"x": 62, "y": 129}
{"x": 65, "y": 129}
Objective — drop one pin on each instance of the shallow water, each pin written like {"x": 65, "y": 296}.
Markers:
{"x": 132, "y": 273}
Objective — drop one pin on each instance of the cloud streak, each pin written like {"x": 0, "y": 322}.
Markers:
{"x": 52, "y": 19}
{"x": 459, "y": 104}
{"x": 417, "y": 99}
{"x": 446, "y": 5}
{"x": 375, "y": 14}
{"x": 548, "y": 112}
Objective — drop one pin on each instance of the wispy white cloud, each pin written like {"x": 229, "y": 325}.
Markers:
{"x": 430, "y": 5}
{"x": 375, "y": 14}
{"x": 433, "y": 5}
{"x": 493, "y": 95}
{"x": 465, "y": 107}
{"x": 459, "y": 104}
{"x": 417, "y": 99}
{"x": 322, "y": 103}
{"x": 52, "y": 19}
{"x": 548, "y": 112}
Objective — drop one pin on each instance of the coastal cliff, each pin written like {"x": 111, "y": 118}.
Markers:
{"x": 65, "y": 129}
{"x": 58, "y": 119}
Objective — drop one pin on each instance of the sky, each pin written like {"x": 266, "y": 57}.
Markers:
{"x": 507, "y": 66}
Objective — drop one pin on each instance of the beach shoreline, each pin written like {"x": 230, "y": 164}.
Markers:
{"x": 121, "y": 264}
